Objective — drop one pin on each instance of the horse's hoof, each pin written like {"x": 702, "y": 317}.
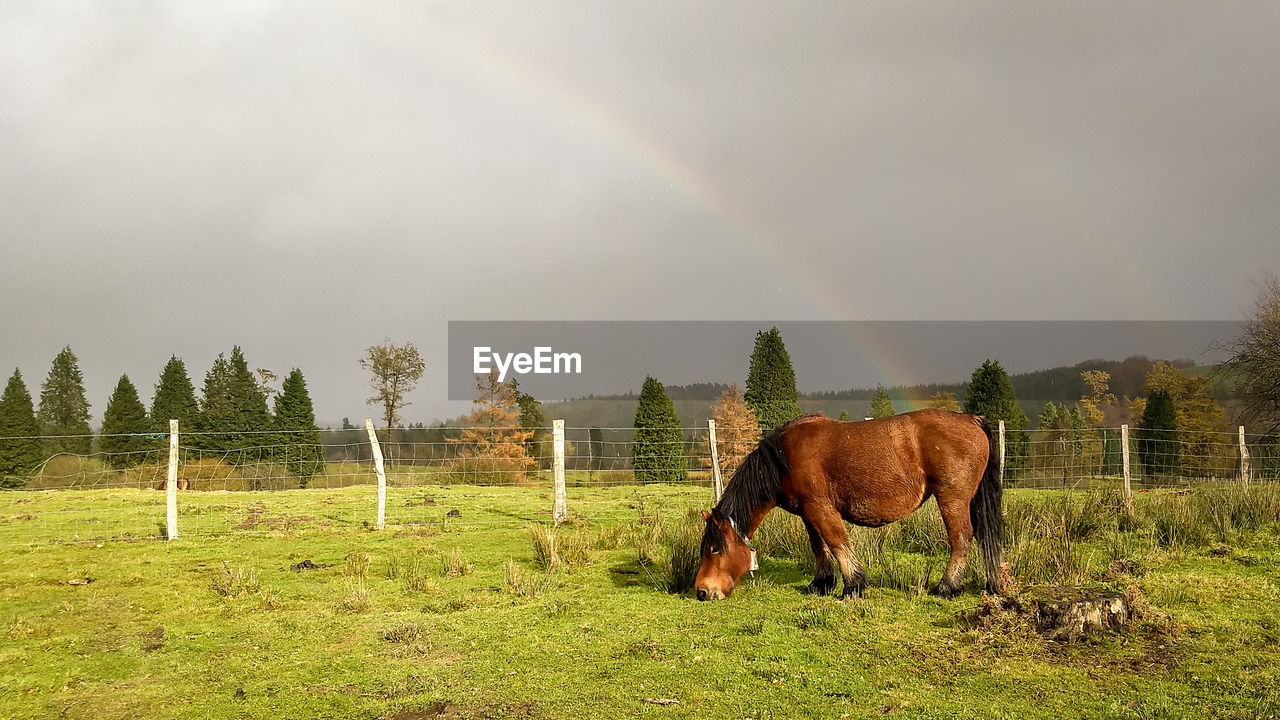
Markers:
{"x": 944, "y": 591}
{"x": 851, "y": 592}
{"x": 820, "y": 587}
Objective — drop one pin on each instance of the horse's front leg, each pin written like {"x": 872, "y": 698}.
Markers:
{"x": 830, "y": 525}
{"x": 824, "y": 581}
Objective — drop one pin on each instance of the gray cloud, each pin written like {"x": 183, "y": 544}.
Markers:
{"x": 308, "y": 178}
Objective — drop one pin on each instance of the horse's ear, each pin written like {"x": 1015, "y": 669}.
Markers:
{"x": 706, "y": 515}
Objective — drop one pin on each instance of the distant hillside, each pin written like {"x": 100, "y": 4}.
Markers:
{"x": 1034, "y": 389}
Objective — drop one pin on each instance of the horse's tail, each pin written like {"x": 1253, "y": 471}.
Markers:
{"x": 986, "y": 513}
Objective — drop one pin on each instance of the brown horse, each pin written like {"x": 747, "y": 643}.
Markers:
{"x": 868, "y": 473}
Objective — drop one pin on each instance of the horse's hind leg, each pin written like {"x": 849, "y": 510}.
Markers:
{"x": 955, "y": 515}
{"x": 824, "y": 581}
{"x": 830, "y": 526}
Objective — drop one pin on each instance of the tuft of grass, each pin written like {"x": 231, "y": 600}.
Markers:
{"x": 554, "y": 550}
{"x": 521, "y": 583}
{"x": 357, "y": 598}
{"x": 407, "y": 633}
{"x": 678, "y": 554}
{"x": 357, "y": 565}
{"x": 455, "y": 565}
{"x": 233, "y": 582}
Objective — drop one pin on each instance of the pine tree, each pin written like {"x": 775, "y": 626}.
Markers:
{"x": 881, "y": 404}
{"x": 657, "y": 451}
{"x": 234, "y": 411}
{"x": 20, "y": 447}
{"x": 175, "y": 399}
{"x": 64, "y": 411}
{"x": 295, "y": 421}
{"x": 1158, "y": 436}
{"x": 124, "y": 423}
{"x": 771, "y": 382}
{"x": 533, "y": 420}
{"x": 249, "y": 404}
{"x": 216, "y": 420}
{"x": 990, "y": 394}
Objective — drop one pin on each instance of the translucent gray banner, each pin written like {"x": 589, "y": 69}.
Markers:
{"x": 556, "y": 360}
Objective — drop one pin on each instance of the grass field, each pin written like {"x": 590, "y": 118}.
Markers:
{"x": 459, "y": 616}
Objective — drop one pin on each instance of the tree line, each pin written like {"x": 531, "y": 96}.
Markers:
{"x": 237, "y": 409}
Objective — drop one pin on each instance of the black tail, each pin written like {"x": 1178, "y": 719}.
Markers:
{"x": 757, "y": 481}
{"x": 986, "y": 513}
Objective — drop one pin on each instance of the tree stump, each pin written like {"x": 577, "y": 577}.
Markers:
{"x": 1073, "y": 613}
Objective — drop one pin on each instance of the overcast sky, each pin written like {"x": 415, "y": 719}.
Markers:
{"x": 306, "y": 179}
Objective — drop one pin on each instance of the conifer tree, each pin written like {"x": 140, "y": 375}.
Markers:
{"x": 250, "y": 405}
{"x": 771, "y": 382}
{"x": 1158, "y": 447}
{"x": 657, "y": 451}
{"x": 990, "y": 394}
{"x": 881, "y": 404}
{"x": 295, "y": 421}
{"x": 20, "y": 447}
{"x": 64, "y": 411}
{"x": 844, "y": 416}
{"x": 216, "y": 419}
{"x": 124, "y": 424}
{"x": 533, "y": 420}
{"x": 175, "y": 399}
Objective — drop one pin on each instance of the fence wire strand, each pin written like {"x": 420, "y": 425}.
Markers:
{"x": 264, "y": 482}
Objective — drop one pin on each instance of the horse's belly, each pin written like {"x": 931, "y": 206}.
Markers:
{"x": 893, "y": 503}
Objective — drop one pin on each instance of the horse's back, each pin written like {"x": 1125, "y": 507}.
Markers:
{"x": 880, "y": 471}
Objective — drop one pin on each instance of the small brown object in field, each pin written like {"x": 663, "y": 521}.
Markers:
{"x": 662, "y": 701}
{"x": 80, "y": 581}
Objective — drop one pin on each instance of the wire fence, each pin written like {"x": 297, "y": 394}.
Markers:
{"x": 211, "y": 484}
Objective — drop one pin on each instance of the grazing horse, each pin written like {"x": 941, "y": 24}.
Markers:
{"x": 868, "y": 473}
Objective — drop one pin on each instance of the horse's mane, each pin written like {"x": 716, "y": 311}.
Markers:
{"x": 756, "y": 482}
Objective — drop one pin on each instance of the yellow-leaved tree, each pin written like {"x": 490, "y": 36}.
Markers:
{"x": 737, "y": 430}
{"x": 493, "y": 442}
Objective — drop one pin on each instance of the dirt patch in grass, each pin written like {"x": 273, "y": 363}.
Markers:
{"x": 153, "y": 640}
{"x": 306, "y": 565}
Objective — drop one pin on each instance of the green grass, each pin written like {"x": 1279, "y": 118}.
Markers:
{"x": 456, "y": 617}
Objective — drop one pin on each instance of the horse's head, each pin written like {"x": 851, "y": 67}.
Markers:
{"x": 726, "y": 557}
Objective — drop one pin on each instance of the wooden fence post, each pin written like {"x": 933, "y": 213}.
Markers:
{"x": 560, "y": 506}
{"x": 718, "y": 484}
{"x": 1244, "y": 460}
{"x": 1001, "y": 427}
{"x": 382, "y": 474}
{"x": 171, "y": 487}
{"x": 1124, "y": 463}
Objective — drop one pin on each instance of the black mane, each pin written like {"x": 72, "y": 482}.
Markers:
{"x": 756, "y": 482}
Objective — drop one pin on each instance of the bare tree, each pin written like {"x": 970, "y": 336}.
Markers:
{"x": 396, "y": 371}
{"x": 1254, "y": 366}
